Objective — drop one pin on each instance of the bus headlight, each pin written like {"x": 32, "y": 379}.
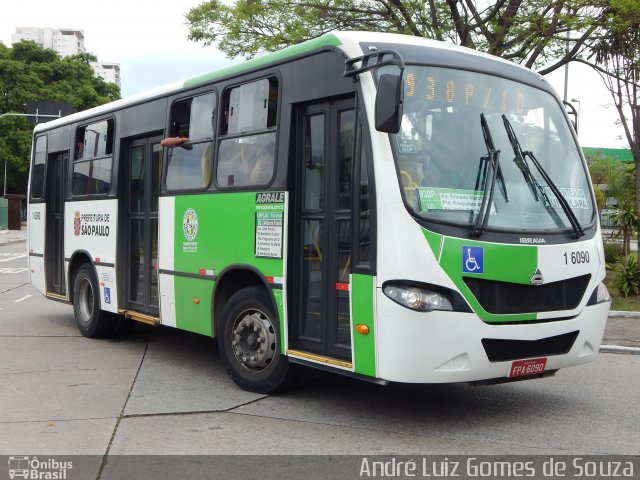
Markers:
{"x": 599, "y": 295}
{"x": 417, "y": 298}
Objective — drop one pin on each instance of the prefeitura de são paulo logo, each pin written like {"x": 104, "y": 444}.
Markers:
{"x": 190, "y": 224}
{"x": 76, "y": 224}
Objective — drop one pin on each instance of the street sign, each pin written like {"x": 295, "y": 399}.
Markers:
{"x": 36, "y": 110}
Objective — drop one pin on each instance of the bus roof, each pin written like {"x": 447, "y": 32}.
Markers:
{"x": 347, "y": 41}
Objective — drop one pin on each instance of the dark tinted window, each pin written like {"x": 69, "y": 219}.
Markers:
{"x": 247, "y": 149}
{"x": 189, "y": 166}
{"x": 38, "y": 168}
{"x": 93, "y": 161}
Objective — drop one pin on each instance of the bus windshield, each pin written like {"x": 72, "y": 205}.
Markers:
{"x": 444, "y": 157}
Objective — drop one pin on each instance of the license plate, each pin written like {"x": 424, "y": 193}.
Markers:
{"x": 522, "y": 368}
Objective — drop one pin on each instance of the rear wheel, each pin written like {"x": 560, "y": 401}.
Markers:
{"x": 91, "y": 321}
{"x": 249, "y": 343}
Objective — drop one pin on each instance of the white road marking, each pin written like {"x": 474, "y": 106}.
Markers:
{"x": 23, "y": 298}
{"x": 12, "y": 270}
{"x": 14, "y": 257}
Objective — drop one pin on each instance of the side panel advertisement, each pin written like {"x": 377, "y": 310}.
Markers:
{"x": 91, "y": 226}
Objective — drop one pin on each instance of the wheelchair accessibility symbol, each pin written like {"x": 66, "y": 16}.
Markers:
{"x": 472, "y": 260}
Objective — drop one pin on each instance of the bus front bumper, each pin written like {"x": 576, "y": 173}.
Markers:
{"x": 445, "y": 347}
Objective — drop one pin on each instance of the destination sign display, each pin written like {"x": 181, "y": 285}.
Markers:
{"x": 442, "y": 86}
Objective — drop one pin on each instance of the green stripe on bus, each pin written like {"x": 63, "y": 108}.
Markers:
{"x": 435, "y": 240}
{"x": 278, "y": 295}
{"x": 214, "y": 232}
{"x": 193, "y": 304}
{"x": 364, "y": 347}
{"x": 502, "y": 262}
{"x": 327, "y": 40}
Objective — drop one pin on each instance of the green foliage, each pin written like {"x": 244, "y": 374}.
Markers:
{"x": 625, "y": 220}
{"x": 29, "y": 72}
{"x": 627, "y": 278}
{"x": 532, "y": 33}
{"x": 617, "y": 56}
{"x": 601, "y": 197}
{"x": 602, "y": 168}
{"x": 612, "y": 252}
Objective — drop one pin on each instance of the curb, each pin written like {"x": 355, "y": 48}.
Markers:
{"x": 624, "y": 314}
{"x": 619, "y": 349}
{"x": 12, "y": 241}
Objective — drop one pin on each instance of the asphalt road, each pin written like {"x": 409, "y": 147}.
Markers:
{"x": 163, "y": 392}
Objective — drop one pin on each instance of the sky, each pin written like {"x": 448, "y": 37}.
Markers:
{"x": 148, "y": 38}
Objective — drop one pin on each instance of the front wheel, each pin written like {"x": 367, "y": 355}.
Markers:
{"x": 249, "y": 343}
{"x": 91, "y": 321}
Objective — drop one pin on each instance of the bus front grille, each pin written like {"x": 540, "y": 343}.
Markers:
{"x": 499, "y": 350}
{"x": 505, "y": 298}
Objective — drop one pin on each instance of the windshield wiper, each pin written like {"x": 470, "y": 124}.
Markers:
{"x": 521, "y": 161}
{"x": 492, "y": 158}
{"x": 520, "y": 158}
{"x": 573, "y": 220}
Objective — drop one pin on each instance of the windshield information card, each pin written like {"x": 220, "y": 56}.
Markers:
{"x": 449, "y": 199}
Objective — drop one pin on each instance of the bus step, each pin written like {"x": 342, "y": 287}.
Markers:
{"x": 57, "y": 296}
{"x": 319, "y": 358}
{"x": 140, "y": 317}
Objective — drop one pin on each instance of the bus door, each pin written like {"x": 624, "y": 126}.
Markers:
{"x": 54, "y": 224}
{"x": 144, "y": 164}
{"x": 320, "y": 289}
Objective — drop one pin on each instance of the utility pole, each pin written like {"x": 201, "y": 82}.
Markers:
{"x": 566, "y": 70}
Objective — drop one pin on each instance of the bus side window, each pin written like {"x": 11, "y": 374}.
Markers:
{"x": 93, "y": 159}
{"x": 247, "y": 148}
{"x": 189, "y": 165}
{"x": 38, "y": 169}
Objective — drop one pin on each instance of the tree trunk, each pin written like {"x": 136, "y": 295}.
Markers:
{"x": 626, "y": 241}
{"x": 635, "y": 152}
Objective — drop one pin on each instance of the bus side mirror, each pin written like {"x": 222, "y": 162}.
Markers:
{"x": 389, "y": 103}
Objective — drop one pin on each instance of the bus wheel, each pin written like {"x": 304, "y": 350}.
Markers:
{"x": 249, "y": 344}
{"x": 91, "y": 321}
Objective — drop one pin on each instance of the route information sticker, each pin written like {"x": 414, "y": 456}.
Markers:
{"x": 450, "y": 199}
{"x": 269, "y": 224}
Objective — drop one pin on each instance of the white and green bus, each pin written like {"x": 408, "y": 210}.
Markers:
{"x": 381, "y": 206}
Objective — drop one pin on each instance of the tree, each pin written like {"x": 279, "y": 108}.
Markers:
{"x": 625, "y": 221}
{"x": 532, "y": 32}
{"x": 29, "y": 72}
{"x": 617, "y": 57}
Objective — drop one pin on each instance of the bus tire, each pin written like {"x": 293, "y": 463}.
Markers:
{"x": 90, "y": 320}
{"x": 249, "y": 344}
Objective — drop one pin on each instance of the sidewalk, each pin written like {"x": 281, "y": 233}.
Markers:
{"x": 623, "y": 328}
{"x": 9, "y": 237}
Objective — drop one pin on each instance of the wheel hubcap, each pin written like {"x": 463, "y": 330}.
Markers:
{"x": 86, "y": 300}
{"x": 253, "y": 339}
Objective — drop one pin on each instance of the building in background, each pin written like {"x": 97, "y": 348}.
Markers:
{"x": 110, "y": 72}
{"x": 66, "y": 41}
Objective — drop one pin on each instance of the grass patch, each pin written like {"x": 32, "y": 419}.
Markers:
{"x": 630, "y": 303}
